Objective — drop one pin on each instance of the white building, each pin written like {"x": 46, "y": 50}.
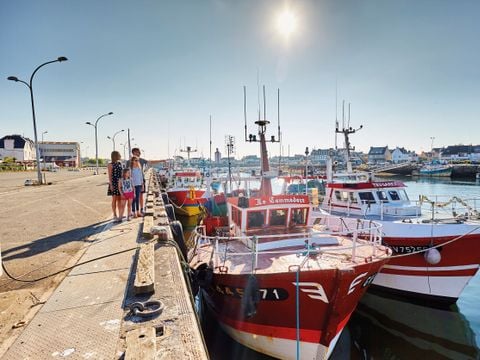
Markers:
{"x": 18, "y": 147}
{"x": 400, "y": 155}
{"x": 61, "y": 153}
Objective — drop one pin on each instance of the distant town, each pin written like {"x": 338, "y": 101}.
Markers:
{"x": 19, "y": 152}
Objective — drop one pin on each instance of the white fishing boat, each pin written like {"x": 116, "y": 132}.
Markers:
{"x": 434, "y": 256}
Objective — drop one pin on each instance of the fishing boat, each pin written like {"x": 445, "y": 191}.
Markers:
{"x": 186, "y": 192}
{"x": 277, "y": 282}
{"x": 435, "y": 170}
{"x": 434, "y": 256}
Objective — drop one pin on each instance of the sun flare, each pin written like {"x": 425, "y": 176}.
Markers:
{"x": 286, "y": 23}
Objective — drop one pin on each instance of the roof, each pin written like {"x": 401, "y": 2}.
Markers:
{"x": 460, "y": 149}
{"x": 377, "y": 150}
{"x": 18, "y": 141}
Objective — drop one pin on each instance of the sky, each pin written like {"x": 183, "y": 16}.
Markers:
{"x": 410, "y": 70}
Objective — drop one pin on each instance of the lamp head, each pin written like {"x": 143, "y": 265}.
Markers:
{"x": 108, "y": 137}
{"x": 12, "y": 78}
{"x": 62, "y": 58}
{"x": 88, "y": 123}
{"x": 110, "y": 113}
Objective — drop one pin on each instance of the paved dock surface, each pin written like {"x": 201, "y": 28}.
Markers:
{"x": 82, "y": 318}
{"x": 42, "y": 230}
{"x": 87, "y": 315}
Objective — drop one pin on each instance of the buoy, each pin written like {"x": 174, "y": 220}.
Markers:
{"x": 433, "y": 256}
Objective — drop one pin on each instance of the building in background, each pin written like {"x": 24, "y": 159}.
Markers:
{"x": 218, "y": 156}
{"x": 18, "y": 147}
{"x": 65, "y": 154}
{"x": 379, "y": 154}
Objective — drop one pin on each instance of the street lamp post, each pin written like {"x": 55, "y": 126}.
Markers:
{"x": 29, "y": 85}
{"x": 96, "y": 136}
{"x": 306, "y": 170}
{"x": 431, "y": 146}
{"x": 43, "y": 155}
{"x": 113, "y": 138}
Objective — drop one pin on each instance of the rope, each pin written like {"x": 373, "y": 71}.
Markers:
{"x": 63, "y": 270}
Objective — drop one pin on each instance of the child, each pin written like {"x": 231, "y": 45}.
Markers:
{"x": 137, "y": 179}
{"x": 125, "y": 185}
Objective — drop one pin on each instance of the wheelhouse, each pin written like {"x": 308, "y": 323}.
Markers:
{"x": 187, "y": 178}
{"x": 369, "y": 198}
{"x": 252, "y": 216}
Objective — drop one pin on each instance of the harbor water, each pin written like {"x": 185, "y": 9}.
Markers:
{"x": 389, "y": 327}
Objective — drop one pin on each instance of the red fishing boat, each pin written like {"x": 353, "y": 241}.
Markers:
{"x": 278, "y": 283}
{"x": 186, "y": 192}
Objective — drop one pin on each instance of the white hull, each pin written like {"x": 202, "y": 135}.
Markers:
{"x": 281, "y": 348}
{"x": 444, "y": 286}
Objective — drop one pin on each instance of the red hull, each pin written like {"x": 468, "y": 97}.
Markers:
{"x": 326, "y": 300}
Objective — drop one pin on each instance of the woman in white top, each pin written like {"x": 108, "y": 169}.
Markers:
{"x": 137, "y": 179}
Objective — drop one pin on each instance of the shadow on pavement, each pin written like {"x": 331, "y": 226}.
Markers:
{"x": 48, "y": 243}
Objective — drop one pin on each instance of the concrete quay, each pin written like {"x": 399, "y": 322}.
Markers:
{"x": 89, "y": 315}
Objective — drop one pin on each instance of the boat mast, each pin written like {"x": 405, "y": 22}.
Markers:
{"x": 210, "y": 159}
{"x": 266, "y": 185}
{"x": 188, "y": 150}
{"x": 346, "y": 131}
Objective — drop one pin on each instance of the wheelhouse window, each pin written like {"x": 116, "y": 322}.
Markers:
{"x": 255, "y": 219}
{"x": 394, "y": 195}
{"x": 341, "y": 195}
{"x": 278, "y": 217}
{"x": 236, "y": 216}
{"x": 382, "y": 196}
{"x": 299, "y": 216}
{"x": 403, "y": 195}
{"x": 352, "y": 197}
{"x": 366, "y": 197}
{"x": 338, "y": 196}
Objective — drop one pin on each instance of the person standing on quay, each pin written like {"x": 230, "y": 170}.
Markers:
{"x": 144, "y": 165}
{"x": 114, "y": 175}
{"x": 125, "y": 185}
{"x": 137, "y": 179}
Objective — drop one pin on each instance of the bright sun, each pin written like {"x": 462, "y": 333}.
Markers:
{"x": 286, "y": 23}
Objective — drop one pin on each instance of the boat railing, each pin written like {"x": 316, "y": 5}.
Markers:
{"x": 361, "y": 233}
{"x": 441, "y": 207}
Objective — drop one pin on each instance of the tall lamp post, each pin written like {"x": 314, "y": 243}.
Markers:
{"x": 124, "y": 149}
{"x": 306, "y": 170}
{"x": 113, "y": 138}
{"x": 43, "y": 155}
{"x": 431, "y": 146}
{"x": 96, "y": 136}
{"x": 29, "y": 85}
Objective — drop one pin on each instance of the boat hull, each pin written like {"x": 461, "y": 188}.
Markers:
{"x": 413, "y": 275}
{"x": 437, "y": 172}
{"x": 326, "y": 299}
{"x": 187, "y": 202}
